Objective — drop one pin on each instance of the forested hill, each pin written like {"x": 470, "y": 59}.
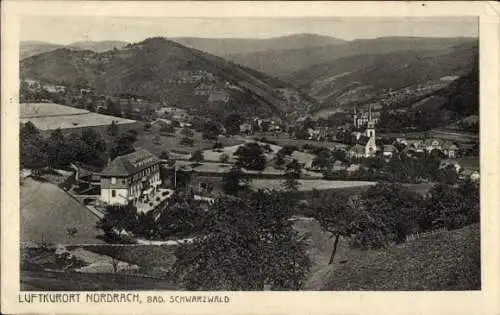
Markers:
{"x": 165, "y": 71}
{"x": 284, "y": 63}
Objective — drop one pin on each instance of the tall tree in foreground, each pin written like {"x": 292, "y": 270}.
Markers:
{"x": 336, "y": 216}
{"x": 245, "y": 245}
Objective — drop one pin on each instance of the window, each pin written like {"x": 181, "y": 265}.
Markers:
{"x": 113, "y": 180}
{"x": 113, "y": 193}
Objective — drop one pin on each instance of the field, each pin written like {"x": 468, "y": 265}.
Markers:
{"x": 146, "y": 140}
{"x": 308, "y": 184}
{"x": 74, "y": 281}
{"x": 47, "y": 211}
{"x": 54, "y": 116}
{"x": 284, "y": 139}
{"x": 151, "y": 259}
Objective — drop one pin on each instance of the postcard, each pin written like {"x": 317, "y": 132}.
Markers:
{"x": 250, "y": 157}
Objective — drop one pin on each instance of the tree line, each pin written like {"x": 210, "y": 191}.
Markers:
{"x": 59, "y": 150}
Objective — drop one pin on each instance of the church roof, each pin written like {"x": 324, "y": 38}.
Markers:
{"x": 129, "y": 164}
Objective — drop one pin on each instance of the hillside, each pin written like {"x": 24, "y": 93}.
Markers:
{"x": 449, "y": 260}
{"x": 225, "y": 46}
{"x": 284, "y": 62}
{"x": 32, "y": 48}
{"x": 98, "y": 46}
{"x": 364, "y": 76}
{"x": 165, "y": 71}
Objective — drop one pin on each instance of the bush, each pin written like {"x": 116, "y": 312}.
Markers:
{"x": 158, "y": 199}
{"x": 151, "y": 204}
{"x": 186, "y": 141}
{"x": 164, "y": 193}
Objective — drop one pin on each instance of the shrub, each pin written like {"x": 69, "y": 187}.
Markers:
{"x": 151, "y": 204}
{"x": 158, "y": 199}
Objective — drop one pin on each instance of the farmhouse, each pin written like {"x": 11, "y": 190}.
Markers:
{"x": 130, "y": 178}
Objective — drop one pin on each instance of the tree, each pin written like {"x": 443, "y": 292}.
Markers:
{"x": 164, "y": 155}
{"x": 182, "y": 216}
{"x": 393, "y": 210}
{"x": 279, "y": 160}
{"x": 33, "y": 153}
{"x": 112, "y": 108}
{"x": 239, "y": 231}
{"x": 122, "y": 146}
{"x": 186, "y": 132}
{"x": 322, "y": 160}
{"x": 451, "y": 207}
{"x": 232, "y": 123}
{"x": 234, "y": 181}
{"x": 337, "y": 215}
{"x": 57, "y": 151}
{"x": 197, "y": 156}
{"x": 292, "y": 174}
{"x": 224, "y": 158}
{"x": 113, "y": 129}
{"x": 251, "y": 156}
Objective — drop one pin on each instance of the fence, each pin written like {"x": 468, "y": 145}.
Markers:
{"x": 415, "y": 236}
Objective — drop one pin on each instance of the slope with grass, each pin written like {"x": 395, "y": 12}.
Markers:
{"x": 447, "y": 260}
{"x": 47, "y": 212}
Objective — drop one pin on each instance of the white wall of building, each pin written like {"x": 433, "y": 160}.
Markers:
{"x": 121, "y": 196}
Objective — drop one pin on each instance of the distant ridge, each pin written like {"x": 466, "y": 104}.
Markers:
{"x": 162, "y": 70}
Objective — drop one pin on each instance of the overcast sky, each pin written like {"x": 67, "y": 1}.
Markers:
{"x": 65, "y": 30}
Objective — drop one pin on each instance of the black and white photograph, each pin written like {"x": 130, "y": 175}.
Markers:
{"x": 249, "y": 154}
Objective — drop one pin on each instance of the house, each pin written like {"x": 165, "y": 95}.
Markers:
{"x": 431, "y": 145}
{"x": 246, "y": 128}
{"x": 161, "y": 123}
{"x": 353, "y": 168}
{"x": 416, "y": 145}
{"x": 470, "y": 174}
{"x": 130, "y": 178}
{"x": 389, "y": 150}
{"x": 447, "y": 163}
{"x": 450, "y": 149}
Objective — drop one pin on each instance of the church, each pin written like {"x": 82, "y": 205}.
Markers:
{"x": 366, "y": 142}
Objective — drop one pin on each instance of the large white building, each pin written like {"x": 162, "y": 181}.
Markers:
{"x": 130, "y": 178}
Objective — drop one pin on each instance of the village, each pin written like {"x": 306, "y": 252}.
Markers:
{"x": 156, "y": 171}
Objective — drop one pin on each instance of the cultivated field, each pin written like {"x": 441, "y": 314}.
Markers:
{"x": 284, "y": 139}
{"x": 54, "y": 116}
{"x": 172, "y": 144}
{"x": 309, "y": 184}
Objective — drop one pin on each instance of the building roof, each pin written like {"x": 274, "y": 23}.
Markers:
{"x": 129, "y": 164}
